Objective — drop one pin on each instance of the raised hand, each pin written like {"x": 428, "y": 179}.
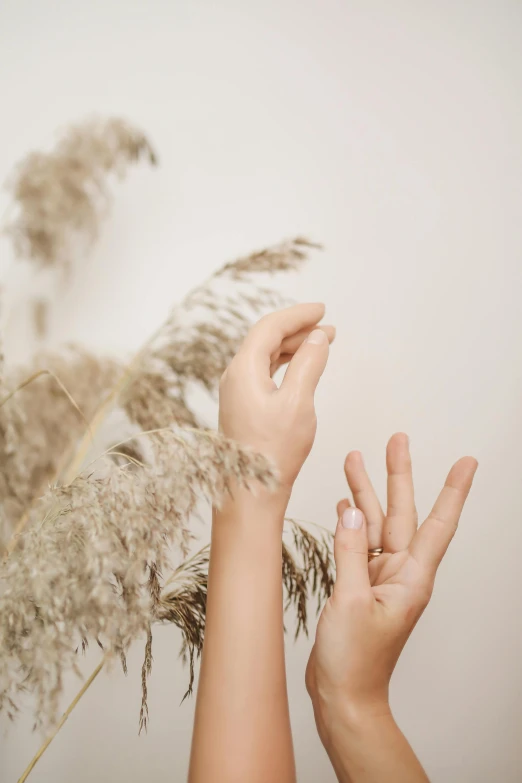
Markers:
{"x": 279, "y": 423}
{"x": 242, "y": 704}
{"x": 376, "y": 602}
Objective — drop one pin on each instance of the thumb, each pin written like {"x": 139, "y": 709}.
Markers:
{"x": 351, "y": 553}
{"x": 308, "y": 363}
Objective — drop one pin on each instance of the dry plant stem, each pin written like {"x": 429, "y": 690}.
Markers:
{"x": 105, "y": 406}
{"x": 83, "y": 446}
{"x": 25, "y": 516}
{"x": 56, "y": 379}
{"x": 41, "y": 750}
{"x": 98, "y": 418}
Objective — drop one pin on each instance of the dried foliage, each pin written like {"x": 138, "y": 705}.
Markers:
{"x": 84, "y": 571}
{"x": 39, "y": 424}
{"x": 200, "y": 337}
{"x": 185, "y": 605}
{"x": 61, "y": 196}
{"x": 89, "y": 565}
{"x": 146, "y": 670}
{"x": 308, "y": 573}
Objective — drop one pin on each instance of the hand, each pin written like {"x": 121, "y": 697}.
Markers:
{"x": 375, "y": 606}
{"x": 279, "y": 423}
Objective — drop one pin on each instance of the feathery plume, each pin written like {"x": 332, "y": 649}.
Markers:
{"x": 61, "y": 196}
{"x": 185, "y": 605}
{"x": 308, "y": 573}
{"x": 201, "y": 336}
{"x": 84, "y": 571}
{"x": 39, "y": 424}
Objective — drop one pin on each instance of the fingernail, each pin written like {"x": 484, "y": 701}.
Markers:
{"x": 352, "y": 519}
{"x": 317, "y": 337}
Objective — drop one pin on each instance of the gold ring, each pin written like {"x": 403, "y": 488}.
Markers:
{"x": 373, "y": 553}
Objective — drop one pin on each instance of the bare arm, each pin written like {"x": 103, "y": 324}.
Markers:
{"x": 242, "y": 726}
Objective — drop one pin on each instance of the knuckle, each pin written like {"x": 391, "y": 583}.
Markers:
{"x": 447, "y": 524}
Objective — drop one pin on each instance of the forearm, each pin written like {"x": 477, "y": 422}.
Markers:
{"x": 372, "y": 749}
{"x": 242, "y": 726}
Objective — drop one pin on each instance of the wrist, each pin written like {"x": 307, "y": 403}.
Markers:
{"x": 340, "y": 717}
{"x": 242, "y": 505}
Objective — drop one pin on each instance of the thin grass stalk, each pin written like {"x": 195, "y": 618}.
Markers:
{"x": 25, "y": 516}
{"x": 41, "y": 750}
{"x": 104, "y": 409}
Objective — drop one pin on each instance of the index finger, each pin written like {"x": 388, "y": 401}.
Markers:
{"x": 434, "y": 536}
{"x": 265, "y": 338}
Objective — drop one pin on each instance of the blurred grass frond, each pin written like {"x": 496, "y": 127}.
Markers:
{"x": 60, "y": 197}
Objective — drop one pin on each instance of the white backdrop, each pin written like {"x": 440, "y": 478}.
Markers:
{"x": 391, "y": 132}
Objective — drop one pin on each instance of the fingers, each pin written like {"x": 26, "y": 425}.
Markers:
{"x": 401, "y": 516}
{"x": 265, "y": 339}
{"x": 364, "y": 497}
{"x": 291, "y": 344}
{"x": 351, "y": 553}
{"x": 307, "y": 366}
{"x": 432, "y": 539}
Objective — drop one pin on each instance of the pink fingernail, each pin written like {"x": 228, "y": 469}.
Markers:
{"x": 352, "y": 519}
{"x": 317, "y": 337}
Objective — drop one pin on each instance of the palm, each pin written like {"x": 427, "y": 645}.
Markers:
{"x": 389, "y": 569}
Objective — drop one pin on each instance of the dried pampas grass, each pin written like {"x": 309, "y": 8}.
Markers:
{"x": 89, "y": 568}
{"x": 39, "y": 425}
{"x": 308, "y": 573}
{"x": 59, "y": 197}
{"x": 95, "y": 541}
{"x": 53, "y": 576}
{"x": 200, "y": 336}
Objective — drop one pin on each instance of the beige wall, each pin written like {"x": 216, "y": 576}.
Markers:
{"x": 392, "y": 133}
